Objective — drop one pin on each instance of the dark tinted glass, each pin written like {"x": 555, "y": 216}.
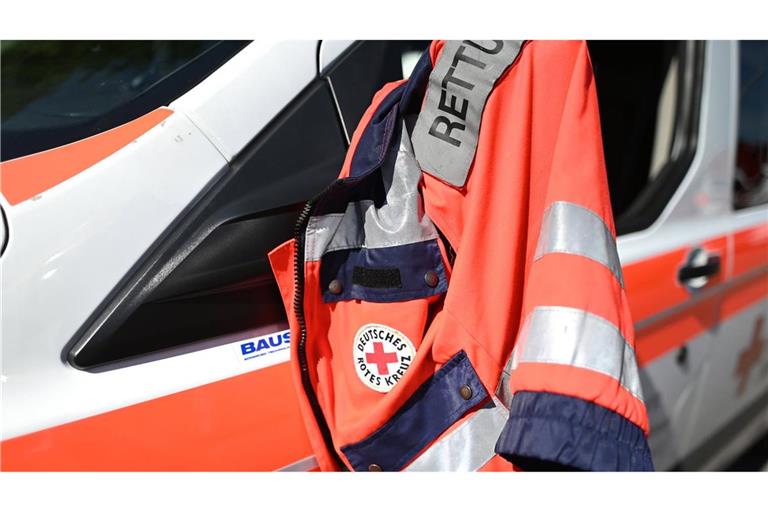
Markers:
{"x": 209, "y": 282}
{"x": 649, "y": 94}
{"x": 751, "y": 179}
{"x": 57, "y": 92}
{"x": 365, "y": 68}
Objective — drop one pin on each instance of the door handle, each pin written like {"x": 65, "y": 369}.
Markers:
{"x": 699, "y": 267}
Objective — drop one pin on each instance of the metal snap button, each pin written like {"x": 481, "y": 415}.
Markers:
{"x": 465, "y": 392}
{"x": 374, "y": 467}
{"x": 431, "y": 278}
{"x": 335, "y": 287}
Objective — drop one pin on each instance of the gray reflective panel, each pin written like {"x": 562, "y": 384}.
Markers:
{"x": 400, "y": 220}
{"x": 445, "y": 135}
{"x": 502, "y": 390}
{"x": 467, "y": 448}
{"x": 560, "y": 335}
{"x": 304, "y": 464}
{"x": 572, "y": 229}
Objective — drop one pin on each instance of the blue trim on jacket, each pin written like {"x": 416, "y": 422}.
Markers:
{"x": 377, "y": 138}
{"x": 412, "y": 261}
{"x": 568, "y": 431}
{"x": 434, "y": 407}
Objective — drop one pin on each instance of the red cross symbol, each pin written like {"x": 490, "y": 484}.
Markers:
{"x": 381, "y": 358}
{"x": 751, "y": 355}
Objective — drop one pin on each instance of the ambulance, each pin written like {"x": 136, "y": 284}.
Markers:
{"x": 143, "y": 183}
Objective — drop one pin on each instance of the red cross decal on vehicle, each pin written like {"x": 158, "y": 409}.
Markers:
{"x": 380, "y": 358}
{"x": 750, "y": 355}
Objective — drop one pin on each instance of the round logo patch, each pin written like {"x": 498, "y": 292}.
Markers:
{"x": 382, "y": 356}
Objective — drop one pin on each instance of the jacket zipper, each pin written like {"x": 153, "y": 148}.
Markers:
{"x": 298, "y": 309}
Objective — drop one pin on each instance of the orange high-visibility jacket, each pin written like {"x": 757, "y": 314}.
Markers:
{"x": 455, "y": 298}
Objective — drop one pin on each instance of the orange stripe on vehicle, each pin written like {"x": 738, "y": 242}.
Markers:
{"x": 652, "y": 285}
{"x": 246, "y": 423}
{"x": 28, "y": 176}
{"x": 745, "y": 294}
{"x": 252, "y": 421}
{"x": 676, "y": 330}
{"x": 652, "y": 289}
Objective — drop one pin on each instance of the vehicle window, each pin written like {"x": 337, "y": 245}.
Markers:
{"x": 208, "y": 282}
{"x": 648, "y": 93}
{"x": 364, "y": 69}
{"x": 648, "y": 96}
{"x": 751, "y": 177}
{"x": 57, "y": 92}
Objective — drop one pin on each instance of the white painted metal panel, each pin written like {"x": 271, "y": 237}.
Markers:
{"x": 331, "y": 49}
{"x": 238, "y": 100}
{"x": 701, "y": 206}
{"x": 76, "y": 241}
{"x": 700, "y": 209}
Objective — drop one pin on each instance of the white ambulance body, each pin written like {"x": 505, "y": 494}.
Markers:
{"x": 143, "y": 185}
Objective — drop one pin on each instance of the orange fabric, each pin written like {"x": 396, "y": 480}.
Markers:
{"x": 583, "y": 274}
{"x": 539, "y": 142}
{"x": 587, "y": 385}
{"x": 549, "y": 154}
{"x": 498, "y": 463}
{"x": 27, "y": 176}
{"x": 282, "y": 261}
{"x": 246, "y": 423}
{"x": 357, "y": 408}
{"x": 70, "y": 447}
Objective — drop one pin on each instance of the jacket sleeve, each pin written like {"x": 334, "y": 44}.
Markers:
{"x": 573, "y": 377}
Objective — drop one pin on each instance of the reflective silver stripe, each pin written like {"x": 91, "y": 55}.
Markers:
{"x": 502, "y": 390}
{"x": 467, "y": 448}
{"x": 572, "y": 229}
{"x": 574, "y": 337}
{"x": 446, "y": 132}
{"x": 400, "y": 220}
{"x": 304, "y": 464}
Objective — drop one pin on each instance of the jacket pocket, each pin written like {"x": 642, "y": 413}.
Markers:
{"x": 373, "y": 310}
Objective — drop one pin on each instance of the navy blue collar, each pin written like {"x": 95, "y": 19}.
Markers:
{"x": 403, "y": 100}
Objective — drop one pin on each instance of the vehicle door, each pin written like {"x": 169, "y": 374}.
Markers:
{"x": 731, "y": 412}
{"x": 667, "y": 120}
{"x": 143, "y": 183}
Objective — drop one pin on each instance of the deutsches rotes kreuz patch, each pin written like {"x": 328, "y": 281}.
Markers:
{"x": 382, "y": 356}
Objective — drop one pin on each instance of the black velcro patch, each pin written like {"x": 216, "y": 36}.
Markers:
{"x": 377, "y": 277}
